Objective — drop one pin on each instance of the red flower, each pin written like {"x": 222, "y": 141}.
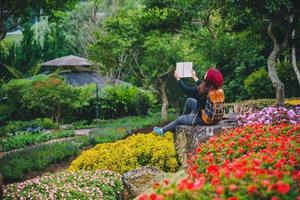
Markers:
{"x": 198, "y": 184}
{"x": 215, "y": 181}
{"x": 219, "y": 189}
{"x": 232, "y": 198}
{"x": 241, "y": 150}
{"x": 265, "y": 183}
{"x": 156, "y": 197}
{"x": 143, "y": 197}
{"x": 169, "y": 192}
{"x": 213, "y": 170}
{"x": 251, "y": 189}
{"x": 282, "y": 187}
{"x": 274, "y": 198}
{"x": 232, "y": 187}
{"x": 166, "y": 182}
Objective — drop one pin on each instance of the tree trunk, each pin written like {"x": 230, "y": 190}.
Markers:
{"x": 294, "y": 60}
{"x": 271, "y": 62}
{"x": 279, "y": 86}
{"x": 164, "y": 98}
{"x": 3, "y": 31}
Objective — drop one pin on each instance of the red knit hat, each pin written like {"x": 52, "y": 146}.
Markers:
{"x": 214, "y": 77}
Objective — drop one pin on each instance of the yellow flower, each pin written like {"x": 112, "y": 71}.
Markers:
{"x": 135, "y": 151}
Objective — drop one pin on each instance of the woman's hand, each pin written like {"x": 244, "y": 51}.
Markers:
{"x": 176, "y": 75}
{"x": 194, "y": 76}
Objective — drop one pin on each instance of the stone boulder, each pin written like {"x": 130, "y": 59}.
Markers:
{"x": 187, "y": 138}
{"x": 139, "y": 180}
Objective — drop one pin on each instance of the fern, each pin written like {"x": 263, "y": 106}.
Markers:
{"x": 34, "y": 70}
{"x": 14, "y": 72}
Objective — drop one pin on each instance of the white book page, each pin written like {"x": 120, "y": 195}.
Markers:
{"x": 184, "y": 69}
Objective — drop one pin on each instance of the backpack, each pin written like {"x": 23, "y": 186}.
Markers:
{"x": 214, "y": 108}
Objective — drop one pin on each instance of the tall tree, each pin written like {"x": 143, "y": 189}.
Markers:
{"x": 273, "y": 16}
{"x": 13, "y": 12}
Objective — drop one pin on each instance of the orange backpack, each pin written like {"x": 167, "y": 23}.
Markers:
{"x": 214, "y": 108}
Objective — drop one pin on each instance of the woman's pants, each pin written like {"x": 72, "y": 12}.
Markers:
{"x": 186, "y": 118}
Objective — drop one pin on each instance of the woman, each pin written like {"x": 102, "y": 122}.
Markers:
{"x": 197, "y": 102}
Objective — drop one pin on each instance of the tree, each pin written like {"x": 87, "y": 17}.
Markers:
{"x": 13, "y": 12}
{"x": 273, "y": 16}
{"x": 143, "y": 42}
{"x": 80, "y": 25}
{"x": 161, "y": 52}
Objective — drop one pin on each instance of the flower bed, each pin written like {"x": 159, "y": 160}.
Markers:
{"x": 271, "y": 115}
{"x": 69, "y": 185}
{"x": 15, "y": 166}
{"x": 131, "y": 153}
{"x": 28, "y": 139}
{"x": 252, "y": 162}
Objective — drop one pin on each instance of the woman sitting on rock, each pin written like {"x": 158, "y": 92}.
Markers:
{"x": 205, "y": 105}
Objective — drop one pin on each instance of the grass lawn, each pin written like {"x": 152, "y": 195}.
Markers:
{"x": 110, "y": 130}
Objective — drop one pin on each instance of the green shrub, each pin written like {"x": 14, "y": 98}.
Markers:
{"x": 52, "y": 97}
{"x": 45, "y": 123}
{"x": 258, "y": 84}
{"x": 27, "y": 139}
{"x": 15, "y": 166}
{"x": 31, "y": 126}
{"x": 119, "y": 101}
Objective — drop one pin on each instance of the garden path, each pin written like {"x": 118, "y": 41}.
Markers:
{"x": 82, "y": 132}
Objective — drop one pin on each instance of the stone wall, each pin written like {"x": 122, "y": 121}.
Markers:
{"x": 187, "y": 138}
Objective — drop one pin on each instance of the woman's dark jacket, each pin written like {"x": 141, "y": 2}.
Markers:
{"x": 194, "y": 93}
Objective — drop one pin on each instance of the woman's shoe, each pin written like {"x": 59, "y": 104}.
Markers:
{"x": 158, "y": 131}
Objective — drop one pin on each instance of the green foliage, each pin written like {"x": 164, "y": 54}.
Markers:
{"x": 52, "y": 97}
{"x": 20, "y": 11}
{"x": 258, "y": 84}
{"x": 27, "y": 139}
{"x": 288, "y": 77}
{"x": 237, "y": 55}
{"x": 17, "y": 126}
{"x": 15, "y": 166}
{"x": 119, "y": 101}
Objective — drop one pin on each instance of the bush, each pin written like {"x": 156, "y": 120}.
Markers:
{"x": 119, "y": 101}
{"x": 71, "y": 185}
{"x": 253, "y": 162}
{"x": 259, "y": 85}
{"x": 27, "y": 139}
{"x": 15, "y": 166}
{"x": 52, "y": 97}
{"x": 30, "y": 126}
{"x": 131, "y": 153}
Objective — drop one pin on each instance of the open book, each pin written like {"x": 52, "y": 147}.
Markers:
{"x": 184, "y": 69}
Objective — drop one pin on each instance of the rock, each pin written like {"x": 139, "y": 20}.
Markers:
{"x": 187, "y": 138}
{"x": 139, "y": 180}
